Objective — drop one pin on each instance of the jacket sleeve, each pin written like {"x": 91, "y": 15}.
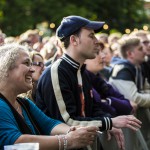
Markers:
{"x": 108, "y": 92}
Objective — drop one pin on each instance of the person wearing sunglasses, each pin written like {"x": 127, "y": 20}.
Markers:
{"x": 38, "y": 66}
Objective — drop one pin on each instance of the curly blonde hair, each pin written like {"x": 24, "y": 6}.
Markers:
{"x": 9, "y": 53}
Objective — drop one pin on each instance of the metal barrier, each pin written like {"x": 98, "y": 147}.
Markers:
{"x": 133, "y": 141}
{"x": 143, "y": 114}
{"x": 141, "y": 139}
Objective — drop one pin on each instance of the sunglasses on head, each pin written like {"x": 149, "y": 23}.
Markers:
{"x": 40, "y": 64}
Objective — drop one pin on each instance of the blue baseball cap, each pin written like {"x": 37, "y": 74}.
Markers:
{"x": 71, "y": 24}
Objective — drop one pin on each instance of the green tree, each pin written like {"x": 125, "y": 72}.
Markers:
{"x": 16, "y": 16}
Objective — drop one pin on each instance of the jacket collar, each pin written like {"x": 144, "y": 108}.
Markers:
{"x": 72, "y": 62}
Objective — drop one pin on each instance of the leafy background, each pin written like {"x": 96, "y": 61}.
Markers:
{"x": 17, "y": 16}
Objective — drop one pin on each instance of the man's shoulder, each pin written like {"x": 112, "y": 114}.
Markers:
{"x": 59, "y": 63}
{"x": 117, "y": 68}
{"x": 56, "y": 65}
{"x": 124, "y": 71}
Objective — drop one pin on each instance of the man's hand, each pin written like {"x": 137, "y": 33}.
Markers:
{"x": 119, "y": 136}
{"x": 134, "y": 107}
{"x": 128, "y": 121}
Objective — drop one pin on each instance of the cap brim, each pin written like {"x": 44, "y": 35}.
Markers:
{"x": 95, "y": 25}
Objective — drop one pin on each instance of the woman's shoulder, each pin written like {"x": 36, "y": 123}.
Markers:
{"x": 3, "y": 103}
{"x": 4, "y": 108}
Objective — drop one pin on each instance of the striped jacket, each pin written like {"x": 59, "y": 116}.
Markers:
{"x": 65, "y": 93}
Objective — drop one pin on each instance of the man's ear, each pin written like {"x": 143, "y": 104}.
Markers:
{"x": 73, "y": 40}
{"x": 129, "y": 53}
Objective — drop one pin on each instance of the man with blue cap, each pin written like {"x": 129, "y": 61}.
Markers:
{"x": 64, "y": 90}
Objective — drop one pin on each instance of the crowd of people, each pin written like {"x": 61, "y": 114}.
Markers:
{"x": 71, "y": 90}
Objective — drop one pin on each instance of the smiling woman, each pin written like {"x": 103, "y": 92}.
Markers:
{"x": 20, "y": 119}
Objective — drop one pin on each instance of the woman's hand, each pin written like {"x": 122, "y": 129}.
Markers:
{"x": 81, "y": 137}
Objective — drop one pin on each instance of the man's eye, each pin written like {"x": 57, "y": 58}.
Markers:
{"x": 92, "y": 36}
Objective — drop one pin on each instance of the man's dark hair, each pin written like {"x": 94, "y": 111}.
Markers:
{"x": 66, "y": 41}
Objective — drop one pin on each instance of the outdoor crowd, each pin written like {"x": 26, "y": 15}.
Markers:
{"x": 78, "y": 89}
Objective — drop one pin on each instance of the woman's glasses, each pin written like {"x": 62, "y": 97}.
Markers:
{"x": 40, "y": 64}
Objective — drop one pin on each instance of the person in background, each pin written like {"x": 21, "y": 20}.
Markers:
{"x": 145, "y": 82}
{"x": 126, "y": 75}
{"x": 38, "y": 66}
{"x": 145, "y": 66}
{"x": 128, "y": 79}
{"x": 20, "y": 119}
{"x": 57, "y": 48}
{"x": 31, "y": 36}
{"x": 48, "y": 50}
{"x": 111, "y": 100}
{"x": 105, "y": 62}
{"x": 102, "y": 37}
{"x": 113, "y": 38}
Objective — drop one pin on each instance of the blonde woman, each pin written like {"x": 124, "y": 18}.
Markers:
{"x": 20, "y": 119}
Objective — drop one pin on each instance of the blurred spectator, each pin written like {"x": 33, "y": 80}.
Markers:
{"x": 143, "y": 36}
{"x": 32, "y": 36}
{"x": 115, "y": 49}
{"x": 113, "y": 38}
{"x": 126, "y": 75}
{"x": 108, "y": 54}
{"x": 102, "y": 37}
{"x": 38, "y": 66}
{"x": 48, "y": 50}
{"x": 59, "y": 50}
{"x": 106, "y": 68}
{"x": 111, "y": 100}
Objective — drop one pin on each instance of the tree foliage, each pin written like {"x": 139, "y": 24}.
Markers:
{"x": 16, "y": 16}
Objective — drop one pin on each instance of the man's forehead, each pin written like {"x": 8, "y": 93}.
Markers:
{"x": 87, "y": 30}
